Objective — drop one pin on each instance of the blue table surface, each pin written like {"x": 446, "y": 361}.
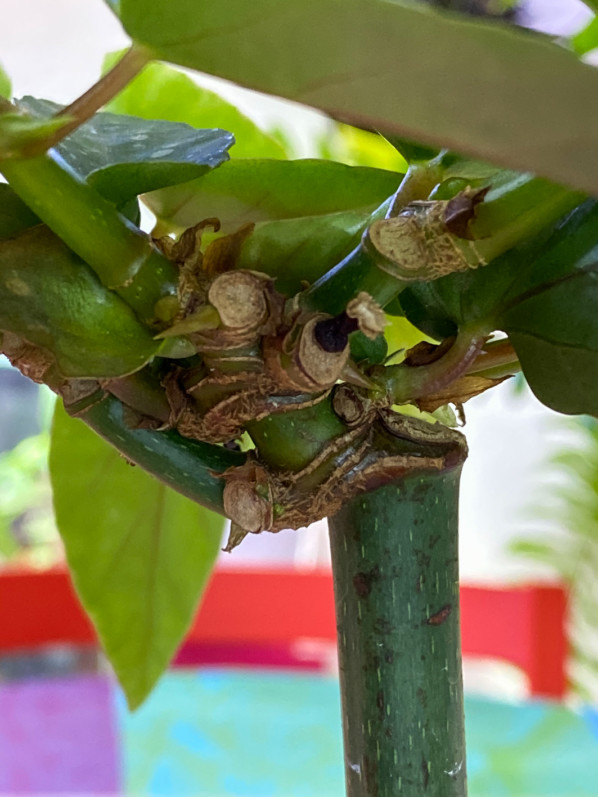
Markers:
{"x": 271, "y": 733}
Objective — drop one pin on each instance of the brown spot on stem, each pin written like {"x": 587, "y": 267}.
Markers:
{"x": 440, "y": 616}
{"x": 363, "y": 581}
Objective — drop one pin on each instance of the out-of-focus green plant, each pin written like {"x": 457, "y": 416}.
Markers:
{"x": 565, "y": 540}
{"x": 26, "y": 519}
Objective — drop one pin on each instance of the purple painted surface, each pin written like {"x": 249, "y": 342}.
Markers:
{"x": 59, "y": 736}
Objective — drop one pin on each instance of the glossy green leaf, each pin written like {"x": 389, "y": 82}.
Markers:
{"x": 161, "y": 92}
{"x": 242, "y": 191}
{"x": 124, "y": 156}
{"x": 411, "y": 150}
{"x": 301, "y": 250}
{"x": 53, "y": 300}
{"x": 140, "y": 554}
{"x": 15, "y": 216}
{"x": 555, "y": 334}
{"x": 562, "y": 374}
{"x": 487, "y": 89}
{"x": 5, "y": 86}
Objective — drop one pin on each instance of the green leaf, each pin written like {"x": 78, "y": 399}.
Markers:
{"x": 358, "y": 147}
{"x": 301, "y": 250}
{"x": 550, "y": 316}
{"x": 398, "y": 67}
{"x": 139, "y": 553}
{"x": 15, "y": 216}
{"x": 242, "y": 191}
{"x": 160, "y": 92}
{"x": 53, "y": 300}
{"x": 555, "y": 335}
{"x": 5, "y": 87}
{"x": 411, "y": 150}
{"x": 587, "y": 38}
{"x": 124, "y": 156}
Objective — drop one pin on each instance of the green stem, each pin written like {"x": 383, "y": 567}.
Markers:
{"x": 357, "y": 272}
{"x": 403, "y": 382}
{"x": 516, "y": 208}
{"x": 290, "y": 441}
{"x": 360, "y": 271}
{"x": 418, "y": 183}
{"x": 121, "y": 255}
{"x": 188, "y": 466}
{"x": 395, "y": 569}
{"x": 98, "y": 95}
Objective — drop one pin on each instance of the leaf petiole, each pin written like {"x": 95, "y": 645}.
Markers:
{"x": 98, "y": 95}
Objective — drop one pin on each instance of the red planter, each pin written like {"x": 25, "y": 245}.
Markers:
{"x": 261, "y": 617}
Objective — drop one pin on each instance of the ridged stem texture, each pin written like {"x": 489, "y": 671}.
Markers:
{"x": 395, "y": 566}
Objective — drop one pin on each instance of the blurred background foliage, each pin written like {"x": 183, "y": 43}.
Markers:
{"x": 563, "y": 540}
{"x": 28, "y": 533}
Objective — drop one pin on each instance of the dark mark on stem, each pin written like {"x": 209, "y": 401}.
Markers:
{"x": 363, "y": 581}
{"x": 425, "y": 773}
{"x": 433, "y": 540}
{"x": 440, "y": 616}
